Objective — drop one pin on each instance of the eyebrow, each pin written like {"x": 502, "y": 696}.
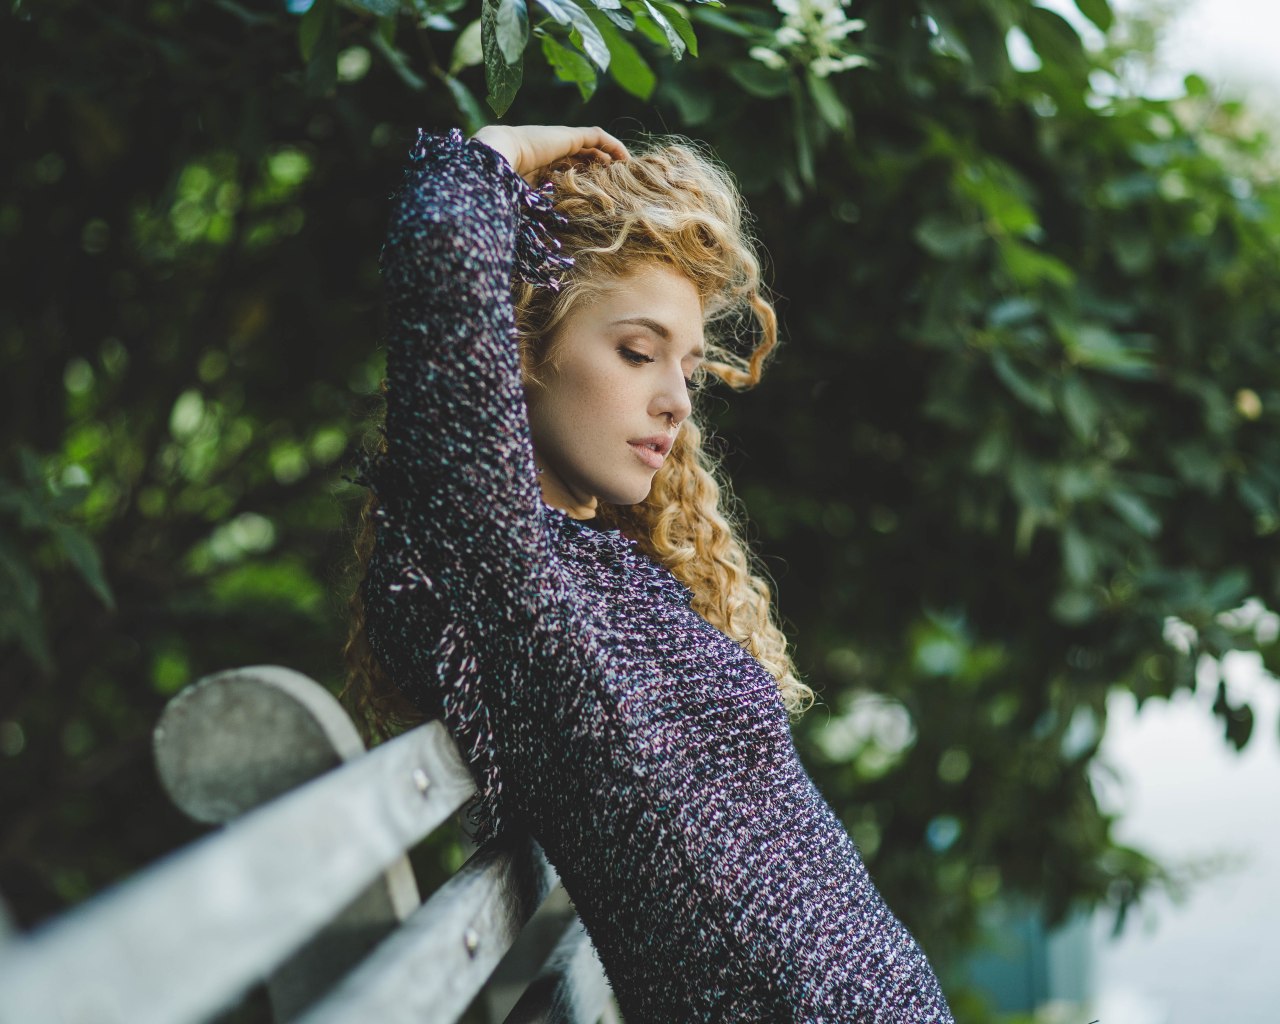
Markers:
{"x": 659, "y": 329}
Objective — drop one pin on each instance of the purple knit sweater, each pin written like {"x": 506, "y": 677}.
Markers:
{"x": 648, "y": 753}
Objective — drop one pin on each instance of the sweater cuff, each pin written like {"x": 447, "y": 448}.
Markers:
{"x": 538, "y": 259}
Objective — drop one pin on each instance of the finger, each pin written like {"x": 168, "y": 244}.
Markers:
{"x": 598, "y": 138}
{"x": 598, "y": 155}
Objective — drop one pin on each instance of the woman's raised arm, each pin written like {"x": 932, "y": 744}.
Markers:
{"x": 459, "y": 461}
{"x": 459, "y": 519}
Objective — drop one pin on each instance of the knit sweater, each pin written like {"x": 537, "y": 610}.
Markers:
{"x": 648, "y": 753}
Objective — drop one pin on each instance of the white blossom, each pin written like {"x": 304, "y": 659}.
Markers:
{"x": 823, "y": 66}
{"x": 812, "y": 31}
{"x": 769, "y": 58}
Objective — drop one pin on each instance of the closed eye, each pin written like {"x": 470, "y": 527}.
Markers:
{"x": 639, "y": 359}
{"x": 634, "y": 357}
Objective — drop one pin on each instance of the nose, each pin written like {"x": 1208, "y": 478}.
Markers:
{"x": 672, "y": 398}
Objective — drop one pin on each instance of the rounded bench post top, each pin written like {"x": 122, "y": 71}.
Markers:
{"x": 236, "y": 739}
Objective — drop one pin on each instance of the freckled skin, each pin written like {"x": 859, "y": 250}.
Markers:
{"x": 599, "y": 393}
{"x": 646, "y": 752}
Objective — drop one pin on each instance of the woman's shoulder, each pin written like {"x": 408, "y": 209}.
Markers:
{"x": 605, "y": 561}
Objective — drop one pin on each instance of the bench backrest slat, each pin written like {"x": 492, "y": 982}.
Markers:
{"x": 307, "y": 886}
{"x": 246, "y": 897}
{"x": 433, "y": 966}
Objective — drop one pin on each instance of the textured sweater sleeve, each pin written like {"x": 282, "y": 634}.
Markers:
{"x": 458, "y": 512}
{"x": 457, "y": 432}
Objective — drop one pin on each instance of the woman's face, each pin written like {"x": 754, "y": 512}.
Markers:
{"x": 613, "y": 388}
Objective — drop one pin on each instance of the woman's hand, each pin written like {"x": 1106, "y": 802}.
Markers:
{"x": 530, "y": 147}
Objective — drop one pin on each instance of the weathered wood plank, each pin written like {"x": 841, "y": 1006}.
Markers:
{"x": 351, "y": 936}
{"x": 238, "y": 739}
{"x": 571, "y": 988}
{"x": 184, "y": 939}
{"x": 433, "y": 966}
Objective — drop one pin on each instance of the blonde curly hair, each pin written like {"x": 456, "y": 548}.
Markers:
{"x": 671, "y": 203}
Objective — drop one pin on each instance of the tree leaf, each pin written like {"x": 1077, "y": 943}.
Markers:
{"x": 759, "y": 80}
{"x": 622, "y": 18}
{"x": 473, "y": 115}
{"x": 32, "y": 512}
{"x": 1229, "y": 589}
{"x": 828, "y": 104}
{"x": 990, "y": 453}
{"x": 397, "y": 61}
{"x": 803, "y": 137}
{"x": 83, "y": 554}
{"x": 654, "y": 24}
{"x": 1032, "y": 268}
{"x": 1034, "y": 394}
{"x": 695, "y": 106}
{"x": 558, "y": 9}
{"x": 382, "y": 8}
{"x": 676, "y": 18}
{"x": 1134, "y": 511}
{"x": 570, "y": 66}
{"x": 947, "y": 238}
{"x": 1097, "y": 11}
{"x": 592, "y": 42}
{"x": 1239, "y": 726}
{"x": 1237, "y": 721}
{"x": 589, "y": 39}
{"x": 725, "y": 23}
{"x": 322, "y": 66}
{"x": 15, "y": 565}
{"x": 627, "y": 67}
{"x": 1079, "y": 407}
{"x": 1057, "y": 43}
{"x": 1133, "y": 249}
{"x": 311, "y": 26}
{"x": 1074, "y": 607}
{"x": 1014, "y": 310}
{"x": 468, "y": 49}
{"x": 512, "y": 25}
{"x": 1199, "y": 465}
{"x": 435, "y": 8}
{"x": 1195, "y": 85}
{"x": 1078, "y": 559}
{"x": 1095, "y": 346}
{"x": 501, "y": 78}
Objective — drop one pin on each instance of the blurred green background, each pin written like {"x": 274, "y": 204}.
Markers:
{"x": 1018, "y": 450}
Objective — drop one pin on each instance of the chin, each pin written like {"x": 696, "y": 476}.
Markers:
{"x": 625, "y": 494}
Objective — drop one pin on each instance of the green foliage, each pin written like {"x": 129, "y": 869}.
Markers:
{"x": 575, "y": 36}
{"x": 40, "y": 504}
{"x": 1019, "y": 448}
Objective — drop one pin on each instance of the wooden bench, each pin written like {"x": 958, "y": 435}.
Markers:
{"x": 307, "y": 886}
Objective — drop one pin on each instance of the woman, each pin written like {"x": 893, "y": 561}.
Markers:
{"x": 548, "y": 567}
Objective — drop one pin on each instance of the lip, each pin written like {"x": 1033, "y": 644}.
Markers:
{"x": 662, "y": 442}
{"x": 646, "y": 454}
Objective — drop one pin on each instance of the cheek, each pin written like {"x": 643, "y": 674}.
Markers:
{"x": 592, "y": 391}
